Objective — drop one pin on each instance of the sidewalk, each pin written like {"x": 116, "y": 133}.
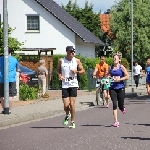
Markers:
{"x": 41, "y": 109}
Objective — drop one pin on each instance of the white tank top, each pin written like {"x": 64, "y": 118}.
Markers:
{"x": 70, "y": 78}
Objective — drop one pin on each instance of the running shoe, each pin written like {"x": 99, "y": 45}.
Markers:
{"x": 66, "y": 119}
{"x": 3, "y": 112}
{"x": 116, "y": 124}
{"x": 124, "y": 110}
{"x": 107, "y": 106}
{"x": 72, "y": 125}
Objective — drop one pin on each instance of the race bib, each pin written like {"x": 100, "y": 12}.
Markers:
{"x": 66, "y": 79}
{"x": 115, "y": 78}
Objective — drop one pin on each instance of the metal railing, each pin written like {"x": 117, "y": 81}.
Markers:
{"x": 86, "y": 82}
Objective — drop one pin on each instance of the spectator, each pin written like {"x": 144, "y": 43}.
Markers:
{"x": 137, "y": 69}
{"x": 13, "y": 67}
{"x": 42, "y": 73}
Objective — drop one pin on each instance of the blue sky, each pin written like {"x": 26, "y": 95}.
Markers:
{"x": 102, "y": 5}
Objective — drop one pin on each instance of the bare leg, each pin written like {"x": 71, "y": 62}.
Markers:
{"x": 2, "y": 102}
{"x": 72, "y": 107}
{"x": 115, "y": 115}
{"x": 66, "y": 105}
{"x": 148, "y": 88}
{"x": 106, "y": 96}
{"x": 10, "y": 102}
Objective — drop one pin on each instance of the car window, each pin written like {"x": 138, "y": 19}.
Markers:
{"x": 24, "y": 69}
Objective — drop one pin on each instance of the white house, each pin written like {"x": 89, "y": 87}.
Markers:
{"x": 44, "y": 24}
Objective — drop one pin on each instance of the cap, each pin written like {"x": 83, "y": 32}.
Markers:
{"x": 42, "y": 61}
{"x": 70, "y": 48}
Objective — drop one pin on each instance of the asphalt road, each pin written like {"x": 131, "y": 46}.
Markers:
{"x": 94, "y": 131}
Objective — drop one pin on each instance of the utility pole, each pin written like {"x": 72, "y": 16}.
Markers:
{"x": 131, "y": 4}
{"x": 6, "y": 77}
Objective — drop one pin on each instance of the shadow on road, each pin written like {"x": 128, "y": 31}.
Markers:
{"x": 138, "y": 124}
{"x": 98, "y": 125}
{"x": 48, "y": 127}
{"x": 142, "y": 97}
{"x": 135, "y": 138}
{"x": 87, "y": 103}
{"x": 100, "y": 107}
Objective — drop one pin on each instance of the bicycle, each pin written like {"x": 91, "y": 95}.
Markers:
{"x": 100, "y": 100}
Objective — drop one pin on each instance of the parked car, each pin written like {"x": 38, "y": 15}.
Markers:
{"x": 31, "y": 75}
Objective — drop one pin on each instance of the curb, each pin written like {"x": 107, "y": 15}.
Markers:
{"x": 16, "y": 119}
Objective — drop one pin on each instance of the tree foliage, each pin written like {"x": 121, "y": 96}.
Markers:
{"x": 121, "y": 27}
{"x": 86, "y": 16}
{"x": 12, "y": 42}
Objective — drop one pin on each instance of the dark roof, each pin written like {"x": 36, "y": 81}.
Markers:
{"x": 64, "y": 17}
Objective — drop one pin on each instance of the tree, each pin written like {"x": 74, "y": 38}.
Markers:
{"x": 121, "y": 27}
{"x": 85, "y": 16}
{"x": 12, "y": 42}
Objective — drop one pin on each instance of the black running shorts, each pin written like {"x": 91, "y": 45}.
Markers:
{"x": 69, "y": 92}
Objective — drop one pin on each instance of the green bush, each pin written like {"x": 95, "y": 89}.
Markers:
{"x": 27, "y": 93}
{"x": 87, "y": 63}
{"x": 125, "y": 63}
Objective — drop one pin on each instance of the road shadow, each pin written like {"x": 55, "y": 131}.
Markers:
{"x": 131, "y": 103}
{"x": 142, "y": 97}
{"x": 100, "y": 107}
{"x": 136, "y": 138}
{"x": 90, "y": 104}
{"x": 139, "y": 124}
{"x": 48, "y": 127}
{"x": 138, "y": 97}
{"x": 97, "y": 125}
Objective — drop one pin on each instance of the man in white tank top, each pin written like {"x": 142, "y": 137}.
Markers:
{"x": 67, "y": 70}
{"x": 137, "y": 69}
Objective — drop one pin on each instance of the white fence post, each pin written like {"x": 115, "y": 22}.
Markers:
{"x": 16, "y": 98}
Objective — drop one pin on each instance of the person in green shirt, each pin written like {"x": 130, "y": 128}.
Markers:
{"x": 106, "y": 82}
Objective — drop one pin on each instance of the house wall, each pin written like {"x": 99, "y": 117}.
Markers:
{"x": 84, "y": 49}
{"x": 53, "y": 34}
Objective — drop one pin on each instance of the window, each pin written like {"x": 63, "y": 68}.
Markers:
{"x": 33, "y": 23}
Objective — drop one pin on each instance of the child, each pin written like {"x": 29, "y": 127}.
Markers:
{"x": 106, "y": 82}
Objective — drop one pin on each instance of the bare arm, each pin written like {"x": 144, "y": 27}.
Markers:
{"x": 80, "y": 66}
{"x": 126, "y": 75}
{"x": 106, "y": 70}
{"x": 59, "y": 68}
{"x": 46, "y": 72}
{"x": 95, "y": 71}
{"x": 141, "y": 69}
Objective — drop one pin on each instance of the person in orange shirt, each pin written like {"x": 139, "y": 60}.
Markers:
{"x": 101, "y": 70}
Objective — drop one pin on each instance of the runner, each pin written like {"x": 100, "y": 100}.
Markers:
{"x": 101, "y": 69}
{"x": 67, "y": 72}
{"x": 147, "y": 72}
{"x": 118, "y": 74}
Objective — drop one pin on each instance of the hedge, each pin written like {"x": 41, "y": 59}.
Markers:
{"x": 88, "y": 63}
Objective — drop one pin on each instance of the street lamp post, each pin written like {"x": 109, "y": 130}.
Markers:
{"x": 6, "y": 79}
{"x": 131, "y": 5}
